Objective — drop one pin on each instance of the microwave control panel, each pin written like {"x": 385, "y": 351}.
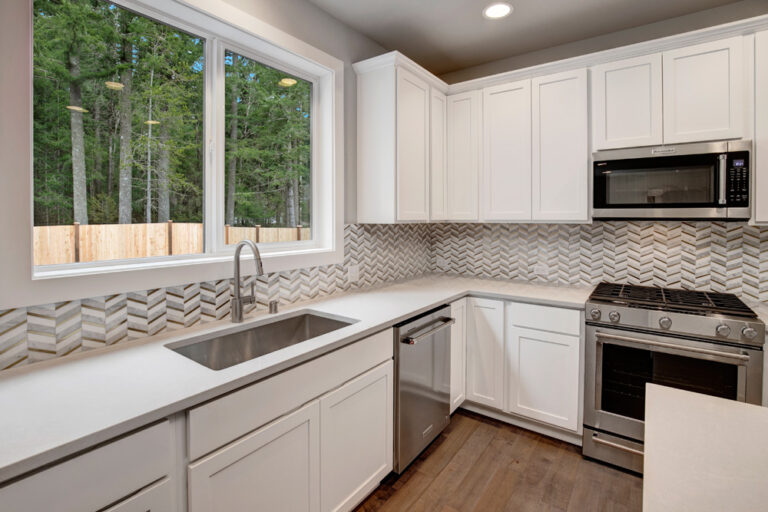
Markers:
{"x": 737, "y": 193}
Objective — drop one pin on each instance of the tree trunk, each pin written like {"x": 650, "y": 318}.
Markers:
{"x": 125, "y": 186}
{"x": 97, "y": 173}
{"x": 232, "y": 164}
{"x": 291, "y": 199}
{"x": 149, "y": 150}
{"x": 163, "y": 168}
{"x": 79, "y": 191}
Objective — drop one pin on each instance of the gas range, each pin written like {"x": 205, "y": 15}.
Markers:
{"x": 716, "y": 317}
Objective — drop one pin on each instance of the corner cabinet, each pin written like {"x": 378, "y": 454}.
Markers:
{"x": 463, "y": 155}
{"x": 396, "y": 130}
{"x": 627, "y": 104}
{"x": 760, "y": 155}
{"x": 438, "y": 185}
{"x": 485, "y": 352}
{"x": 458, "y": 377}
{"x": 560, "y": 147}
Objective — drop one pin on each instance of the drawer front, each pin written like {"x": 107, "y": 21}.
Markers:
{"x": 221, "y": 421}
{"x": 545, "y": 318}
{"x": 158, "y": 497}
{"x": 97, "y": 478}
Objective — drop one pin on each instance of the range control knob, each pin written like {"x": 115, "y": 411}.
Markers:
{"x": 723, "y": 330}
{"x": 614, "y": 316}
{"x": 595, "y": 314}
{"x": 749, "y": 333}
{"x": 665, "y": 322}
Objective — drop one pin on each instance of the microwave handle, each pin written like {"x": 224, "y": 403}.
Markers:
{"x": 721, "y": 171}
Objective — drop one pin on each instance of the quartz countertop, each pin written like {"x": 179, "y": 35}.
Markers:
{"x": 703, "y": 453}
{"x": 56, "y": 408}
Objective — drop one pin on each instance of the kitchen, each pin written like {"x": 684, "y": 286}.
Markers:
{"x": 511, "y": 260}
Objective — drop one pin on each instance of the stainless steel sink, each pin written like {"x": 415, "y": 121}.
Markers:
{"x": 223, "y": 351}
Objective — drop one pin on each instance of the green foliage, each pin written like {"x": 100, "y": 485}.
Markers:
{"x": 270, "y": 153}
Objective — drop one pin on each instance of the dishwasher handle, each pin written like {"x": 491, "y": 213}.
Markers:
{"x": 441, "y": 324}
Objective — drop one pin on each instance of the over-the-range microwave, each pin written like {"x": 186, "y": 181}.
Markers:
{"x": 686, "y": 181}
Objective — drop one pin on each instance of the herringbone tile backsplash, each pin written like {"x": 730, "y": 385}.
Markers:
{"x": 730, "y": 257}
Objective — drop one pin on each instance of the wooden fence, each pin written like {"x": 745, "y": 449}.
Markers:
{"x": 98, "y": 242}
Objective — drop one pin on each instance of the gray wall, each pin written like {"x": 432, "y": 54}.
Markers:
{"x": 702, "y": 19}
{"x": 314, "y": 26}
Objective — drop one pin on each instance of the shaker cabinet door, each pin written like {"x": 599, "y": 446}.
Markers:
{"x": 463, "y": 154}
{"x": 485, "y": 352}
{"x": 413, "y": 98}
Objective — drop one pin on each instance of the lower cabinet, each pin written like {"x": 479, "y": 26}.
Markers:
{"x": 458, "y": 384}
{"x": 356, "y": 438}
{"x": 485, "y": 352}
{"x": 542, "y": 365}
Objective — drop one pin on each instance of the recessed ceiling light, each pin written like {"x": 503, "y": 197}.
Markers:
{"x": 497, "y": 10}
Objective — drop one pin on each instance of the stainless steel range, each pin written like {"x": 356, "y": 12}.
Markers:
{"x": 704, "y": 342}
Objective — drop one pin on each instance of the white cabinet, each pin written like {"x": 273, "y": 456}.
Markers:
{"x": 485, "y": 352}
{"x": 356, "y": 438}
{"x": 703, "y": 92}
{"x": 101, "y": 477}
{"x": 627, "y": 103}
{"x": 463, "y": 154}
{"x": 438, "y": 185}
{"x": 458, "y": 384}
{"x": 412, "y": 118}
{"x": 506, "y": 176}
{"x": 543, "y": 363}
{"x": 158, "y": 497}
{"x": 760, "y": 153}
{"x": 560, "y": 147}
{"x": 275, "y": 468}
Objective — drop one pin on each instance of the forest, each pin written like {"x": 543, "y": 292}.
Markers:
{"x": 118, "y": 124}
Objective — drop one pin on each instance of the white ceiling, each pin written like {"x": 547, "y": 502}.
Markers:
{"x": 447, "y": 35}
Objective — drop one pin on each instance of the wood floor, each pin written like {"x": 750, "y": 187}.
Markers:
{"x": 480, "y": 464}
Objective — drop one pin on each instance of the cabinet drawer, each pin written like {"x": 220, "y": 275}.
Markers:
{"x": 545, "y": 318}
{"x": 158, "y": 497}
{"x": 97, "y": 478}
{"x": 217, "y": 423}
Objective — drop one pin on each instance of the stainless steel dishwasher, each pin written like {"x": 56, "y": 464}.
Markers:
{"x": 422, "y": 382}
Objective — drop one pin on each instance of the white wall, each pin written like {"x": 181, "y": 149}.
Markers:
{"x": 698, "y": 20}
{"x": 314, "y": 26}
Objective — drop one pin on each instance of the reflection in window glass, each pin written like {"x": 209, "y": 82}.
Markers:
{"x": 118, "y": 135}
{"x": 268, "y": 137}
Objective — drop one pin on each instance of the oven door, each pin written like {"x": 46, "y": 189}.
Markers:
{"x": 620, "y": 363}
{"x": 681, "y": 186}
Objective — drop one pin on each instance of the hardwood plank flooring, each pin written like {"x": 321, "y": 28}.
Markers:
{"x": 482, "y": 465}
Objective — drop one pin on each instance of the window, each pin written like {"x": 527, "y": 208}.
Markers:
{"x": 118, "y": 135}
{"x": 267, "y": 153}
{"x": 173, "y": 229}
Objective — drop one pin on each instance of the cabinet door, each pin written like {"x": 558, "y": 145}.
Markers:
{"x": 703, "y": 92}
{"x": 158, "y": 497}
{"x": 275, "y": 468}
{"x": 458, "y": 353}
{"x": 760, "y": 154}
{"x": 413, "y": 99}
{"x": 438, "y": 202}
{"x": 560, "y": 147}
{"x": 506, "y": 177}
{"x": 485, "y": 352}
{"x": 356, "y": 438}
{"x": 463, "y": 153}
{"x": 626, "y": 103}
{"x": 543, "y": 376}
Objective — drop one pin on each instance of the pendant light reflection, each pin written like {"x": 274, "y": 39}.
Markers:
{"x": 286, "y": 82}
{"x": 115, "y": 86}
{"x": 75, "y": 108}
{"x": 152, "y": 122}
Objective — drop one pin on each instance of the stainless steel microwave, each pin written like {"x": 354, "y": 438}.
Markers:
{"x": 686, "y": 181}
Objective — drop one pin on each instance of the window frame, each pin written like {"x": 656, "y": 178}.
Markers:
{"x": 226, "y": 28}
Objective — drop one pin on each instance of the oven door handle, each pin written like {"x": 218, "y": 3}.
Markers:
{"x": 722, "y": 164}
{"x": 727, "y": 355}
{"x": 616, "y": 445}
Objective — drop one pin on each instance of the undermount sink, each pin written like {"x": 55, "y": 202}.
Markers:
{"x": 223, "y": 351}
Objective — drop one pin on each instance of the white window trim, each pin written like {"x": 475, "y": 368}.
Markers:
{"x": 223, "y": 26}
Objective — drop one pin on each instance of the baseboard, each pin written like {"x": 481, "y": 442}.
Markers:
{"x": 535, "y": 426}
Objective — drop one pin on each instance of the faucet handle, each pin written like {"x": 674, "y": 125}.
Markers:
{"x": 253, "y": 292}
{"x": 273, "y": 306}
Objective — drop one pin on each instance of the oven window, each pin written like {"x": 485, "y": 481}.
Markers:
{"x": 660, "y": 186}
{"x": 625, "y": 371}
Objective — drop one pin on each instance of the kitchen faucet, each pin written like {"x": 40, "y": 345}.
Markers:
{"x": 236, "y": 304}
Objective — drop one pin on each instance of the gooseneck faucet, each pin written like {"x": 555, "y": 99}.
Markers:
{"x": 236, "y": 304}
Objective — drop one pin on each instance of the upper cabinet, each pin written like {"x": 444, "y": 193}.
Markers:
{"x": 690, "y": 94}
{"x": 394, "y": 137}
{"x": 463, "y": 155}
{"x": 438, "y": 186}
{"x": 760, "y": 155}
{"x": 703, "y": 92}
{"x": 560, "y": 147}
{"x": 506, "y": 177}
{"x": 626, "y": 103}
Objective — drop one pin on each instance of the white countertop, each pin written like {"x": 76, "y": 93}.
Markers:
{"x": 703, "y": 453}
{"x": 56, "y": 408}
